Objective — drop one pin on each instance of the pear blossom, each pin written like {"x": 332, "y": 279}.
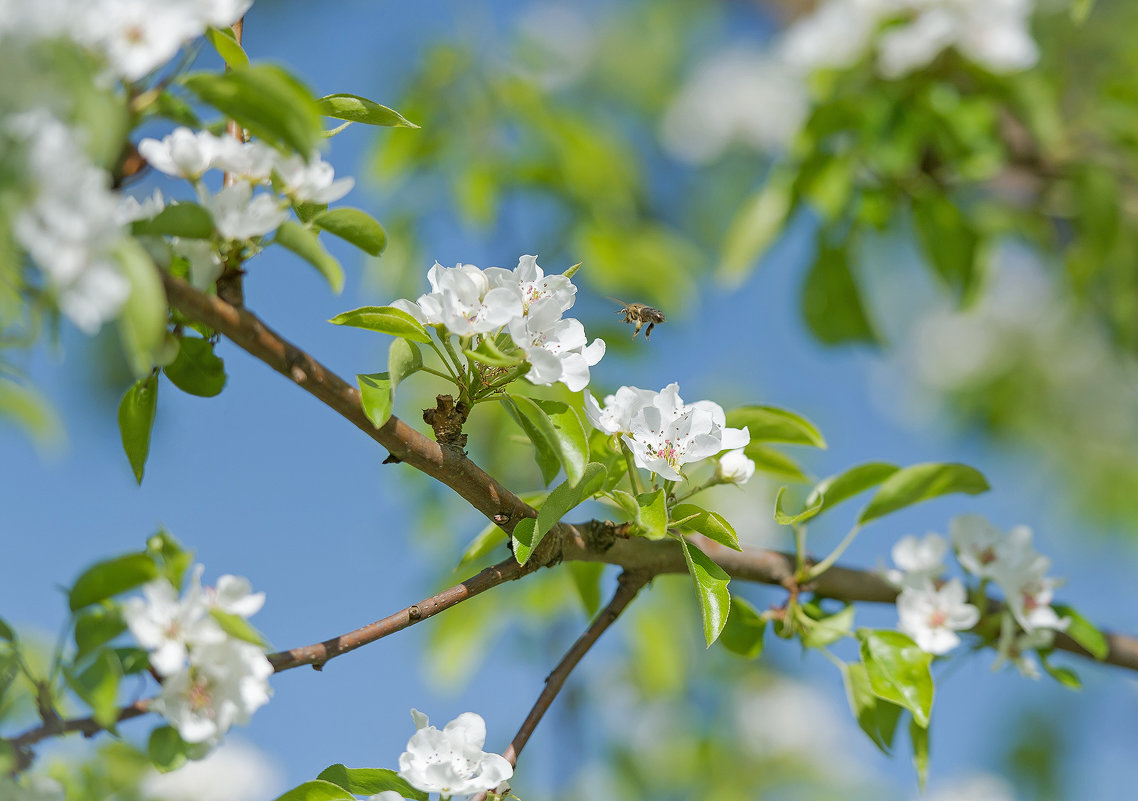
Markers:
{"x": 184, "y": 153}
{"x": 138, "y": 36}
{"x": 1014, "y": 646}
{"x": 204, "y": 260}
{"x": 451, "y": 761}
{"x": 464, "y": 301}
{"x": 978, "y": 544}
{"x": 932, "y": 616}
{"x": 248, "y": 161}
{"x": 131, "y": 208}
{"x": 167, "y": 625}
{"x": 667, "y": 433}
{"x": 557, "y": 353}
{"x": 734, "y": 468}
{"x": 234, "y": 595}
{"x": 233, "y": 772}
{"x": 544, "y": 297}
{"x": 616, "y": 416}
{"x": 1028, "y": 592}
{"x": 238, "y": 214}
{"x": 918, "y": 560}
{"x": 223, "y": 685}
{"x": 311, "y": 181}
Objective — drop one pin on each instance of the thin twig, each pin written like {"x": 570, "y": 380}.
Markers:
{"x": 628, "y": 586}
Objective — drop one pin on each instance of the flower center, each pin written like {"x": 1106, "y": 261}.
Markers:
{"x": 937, "y": 619}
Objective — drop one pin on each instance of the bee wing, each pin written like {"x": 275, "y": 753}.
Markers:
{"x": 618, "y": 300}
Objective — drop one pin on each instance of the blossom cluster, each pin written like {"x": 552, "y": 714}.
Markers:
{"x": 210, "y": 679}
{"x": 133, "y": 37}
{"x": 529, "y": 304}
{"x": 665, "y": 433}
{"x": 932, "y": 611}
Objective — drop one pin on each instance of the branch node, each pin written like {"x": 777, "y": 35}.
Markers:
{"x": 414, "y": 612}
{"x": 447, "y": 419}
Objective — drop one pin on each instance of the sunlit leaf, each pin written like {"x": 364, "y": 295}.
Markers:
{"x": 710, "y": 588}
{"x": 771, "y": 424}
{"x": 743, "y": 632}
{"x": 652, "y": 514}
{"x": 876, "y": 716}
{"x": 784, "y": 519}
{"x": 376, "y": 396}
{"x": 837, "y": 488}
{"x": 384, "y": 320}
{"x": 898, "y": 671}
{"x": 110, "y": 577}
{"x": 359, "y": 109}
{"x": 225, "y": 42}
{"x": 136, "y": 419}
{"x": 317, "y": 790}
{"x": 355, "y": 226}
{"x": 710, "y": 524}
{"x": 831, "y": 302}
{"x": 1083, "y": 632}
{"x": 921, "y": 482}
{"x": 197, "y": 369}
{"x": 305, "y": 242}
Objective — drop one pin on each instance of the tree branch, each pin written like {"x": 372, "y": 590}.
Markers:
{"x": 628, "y": 586}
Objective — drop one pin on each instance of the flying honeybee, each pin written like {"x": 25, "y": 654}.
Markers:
{"x": 640, "y": 313}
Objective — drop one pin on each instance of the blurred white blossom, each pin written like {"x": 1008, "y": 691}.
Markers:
{"x": 932, "y": 616}
{"x": 234, "y": 771}
{"x": 918, "y": 560}
{"x": 311, "y": 181}
{"x": 239, "y": 214}
{"x": 734, "y": 468}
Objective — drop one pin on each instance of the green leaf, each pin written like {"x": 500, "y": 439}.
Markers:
{"x": 166, "y": 749}
{"x": 317, "y": 790}
{"x": 710, "y": 524}
{"x": 948, "y": 240}
{"x": 267, "y": 101}
{"x": 743, "y": 633}
{"x": 376, "y": 396}
{"x": 96, "y": 627}
{"x": 489, "y": 353}
{"x": 524, "y": 539}
{"x": 833, "y": 490}
{"x": 238, "y": 627}
{"x": 384, "y": 320}
{"x": 771, "y": 424}
{"x": 1081, "y": 10}
{"x": 1083, "y": 632}
{"x": 164, "y": 547}
{"x": 355, "y": 226}
{"x": 492, "y": 536}
{"x": 225, "y": 42}
{"x": 572, "y": 270}
{"x": 1064, "y": 675}
{"x": 359, "y": 109}
{"x": 369, "y": 781}
{"x": 560, "y": 427}
{"x": 564, "y": 498}
{"x": 876, "y": 716}
{"x": 831, "y": 303}
{"x": 197, "y": 369}
{"x": 652, "y": 515}
{"x": 133, "y": 660}
{"x": 921, "y": 482}
{"x": 710, "y": 588}
{"x": 919, "y": 737}
{"x": 898, "y": 671}
{"x": 142, "y": 321}
{"x": 830, "y": 629}
{"x": 304, "y": 242}
{"x": 587, "y": 581}
{"x": 109, "y": 578}
{"x": 776, "y": 463}
{"x": 30, "y": 410}
{"x": 136, "y": 419}
{"x": 783, "y": 519}
{"x": 186, "y": 220}
{"x": 546, "y": 458}
{"x": 403, "y": 359}
{"x": 6, "y": 631}
{"x": 98, "y": 686}
{"x": 756, "y": 226}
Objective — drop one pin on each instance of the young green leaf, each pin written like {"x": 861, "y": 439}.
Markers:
{"x": 98, "y": 686}
{"x": 96, "y": 627}
{"x": 948, "y": 240}
{"x": 136, "y": 419}
{"x": 783, "y": 519}
{"x": 317, "y": 790}
{"x": 919, "y": 737}
{"x": 109, "y": 578}
{"x": 586, "y": 578}
{"x": 921, "y": 482}
{"x": 384, "y": 320}
{"x": 359, "y": 109}
{"x": 164, "y": 548}
{"x": 237, "y": 627}
{"x": 560, "y": 427}
{"x": 771, "y": 424}
{"x": 185, "y": 220}
{"x": 652, "y": 515}
{"x": 267, "y": 101}
{"x": 565, "y": 497}
{"x": 377, "y": 396}
{"x": 710, "y": 524}
{"x": 710, "y": 588}
{"x": 543, "y": 453}
{"x": 489, "y": 353}
{"x": 756, "y": 226}
{"x": 304, "y": 242}
{"x": 403, "y": 359}
{"x": 524, "y": 539}
{"x": 831, "y": 301}
{"x": 826, "y": 630}
{"x": 225, "y": 42}
{"x": 197, "y": 369}
{"x": 142, "y": 322}
{"x": 1083, "y": 632}
{"x": 743, "y": 633}
{"x": 492, "y": 536}
{"x": 898, "y": 671}
{"x": 355, "y": 226}
{"x": 166, "y": 749}
{"x": 837, "y": 488}
{"x": 876, "y": 716}
{"x": 7, "y": 632}
{"x": 369, "y": 781}
{"x": 1064, "y": 675}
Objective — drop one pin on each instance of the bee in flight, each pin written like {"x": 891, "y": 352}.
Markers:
{"x": 640, "y": 313}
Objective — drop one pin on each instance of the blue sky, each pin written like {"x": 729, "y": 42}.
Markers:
{"x": 265, "y": 482}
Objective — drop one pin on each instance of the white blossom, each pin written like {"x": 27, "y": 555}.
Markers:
{"x": 918, "y": 560}
{"x": 667, "y": 433}
{"x": 451, "y": 761}
{"x": 311, "y": 181}
{"x": 932, "y": 616}
{"x": 233, "y": 772}
{"x": 185, "y": 153}
{"x": 221, "y": 13}
{"x": 734, "y": 468}
{"x": 238, "y": 214}
{"x": 131, "y": 209}
{"x": 248, "y": 161}
{"x": 978, "y": 544}
{"x": 234, "y": 595}
{"x": 558, "y": 353}
{"x": 544, "y": 297}
{"x": 223, "y": 685}
{"x": 168, "y": 626}
{"x": 465, "y": 302}
{"x": 616, "y": 416}
{"x": 1015, "y": 646}
{"x": 1028, "y": 592}
{"x": 138, "y": 36}
{"x": 204, "y": 260}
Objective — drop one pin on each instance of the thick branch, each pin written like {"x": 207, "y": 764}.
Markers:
{"x": 628, "y": 586}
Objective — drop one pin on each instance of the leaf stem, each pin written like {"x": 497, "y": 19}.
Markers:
{"x": 826, "y": 563}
